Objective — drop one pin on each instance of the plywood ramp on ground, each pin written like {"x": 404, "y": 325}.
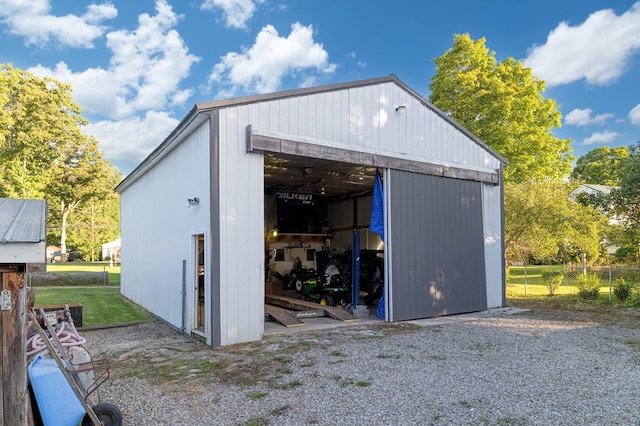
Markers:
{"x": 282, "y": 316}
{"x": 302, "y": 305}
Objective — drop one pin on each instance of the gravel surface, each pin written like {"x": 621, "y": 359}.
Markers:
{"x": 485, "y": 369}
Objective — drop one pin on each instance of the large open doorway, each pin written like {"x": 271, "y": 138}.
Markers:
{"x": 315, "y": 209}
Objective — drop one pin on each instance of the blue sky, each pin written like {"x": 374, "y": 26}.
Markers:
{"x": 137, "y": 67}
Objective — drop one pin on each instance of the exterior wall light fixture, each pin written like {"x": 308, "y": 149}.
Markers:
{"x": 191, "y": 202}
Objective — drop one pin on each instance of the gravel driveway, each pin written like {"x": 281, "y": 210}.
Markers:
{"x": 495, "y": 368}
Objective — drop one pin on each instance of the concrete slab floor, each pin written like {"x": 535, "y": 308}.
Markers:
{"x": 326, "y": 323}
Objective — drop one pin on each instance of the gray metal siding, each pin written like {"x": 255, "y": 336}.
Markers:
{"x": 438, "y": 265}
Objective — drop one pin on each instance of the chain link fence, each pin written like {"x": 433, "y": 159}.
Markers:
{"x": 610, "y": 277}
{"x": 619, "y": 282}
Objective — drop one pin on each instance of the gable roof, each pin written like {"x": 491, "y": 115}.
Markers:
{"x": 201, "y": 111}
{"x": 593, "y": 188}
{"x": 22, "y": 221}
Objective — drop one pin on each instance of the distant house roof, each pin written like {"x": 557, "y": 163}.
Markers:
{"x": 605, "y": 189}
{"x": 110, "y": 244}
{"x": 22, "y": 221}
{"x": 593, "y": 189}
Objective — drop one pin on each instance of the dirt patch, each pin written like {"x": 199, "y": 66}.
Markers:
{"x": 576, "y": 310}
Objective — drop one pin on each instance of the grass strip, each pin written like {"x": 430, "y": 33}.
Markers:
{"x": 100, "y": 305}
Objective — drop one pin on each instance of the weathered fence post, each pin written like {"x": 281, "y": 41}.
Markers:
{"x": 13, "y": 367}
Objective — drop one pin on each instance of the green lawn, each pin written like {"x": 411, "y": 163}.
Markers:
{"x": 533, "y": 275}
{"x": 535, "y": 287}
{"x": 100, "y": 305}
{"x": 70, "y": 267}
{"x": 518, "y": 290}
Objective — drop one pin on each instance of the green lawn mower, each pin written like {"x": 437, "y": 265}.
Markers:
{"x": 332, "y": 285}
{"x": 325, "y": 290}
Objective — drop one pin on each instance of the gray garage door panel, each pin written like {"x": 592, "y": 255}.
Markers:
{"x": 437, "y": 266}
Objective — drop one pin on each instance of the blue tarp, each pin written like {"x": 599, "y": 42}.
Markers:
{"x": 377, "y": 208}
{"x": 377, "y": 224}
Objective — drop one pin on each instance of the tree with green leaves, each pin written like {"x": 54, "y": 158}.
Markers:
{"x": 601, "y": 166}
{"x": 91, "y": 225}
{"x": 542, "y": 222}
{"x": 43, "y": 150}
{"x": 503, "y": 105}
{"x": 626, "y": 199}
{"x": 80, "y": 178}
{"x": 38, "y": 117}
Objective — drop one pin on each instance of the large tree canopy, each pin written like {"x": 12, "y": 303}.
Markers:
{"x": 38, "y": 119}
{"x": 601, "y": 166}
{"x": 502, "y": 104}
{"x": 626, "y": 199}
{"x": 94, "y": 222}
{"x": 43, "y": 150}
{"x": 542, "y": 222}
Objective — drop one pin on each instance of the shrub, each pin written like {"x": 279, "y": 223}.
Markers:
{"x": 589, "y": 286}
{"x": 553, "y": 280}
{"x": 622, "y": 290}
{"x": 626, "y": 254}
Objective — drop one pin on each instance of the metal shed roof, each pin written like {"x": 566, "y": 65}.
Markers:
{"x": 22, "y": 221}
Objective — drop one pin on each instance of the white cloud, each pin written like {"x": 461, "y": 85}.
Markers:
{"x": 582, "y": 117}
{"x": 145, "y": 70}
{"x": 360, "y": 63}
{"x": 31, "y": 19}
{"x": 598, "y": 50}
{"x": 144, "y": 74}
{"x": 601, "y": 137}
{"x": 634, "y": 115}
{"x": 132, "y": 139}
{"x": 262, "y": 67}
{"x": 236, "y": 12}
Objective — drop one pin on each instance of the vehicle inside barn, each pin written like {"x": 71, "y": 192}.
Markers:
{"x": 316, "y": 212}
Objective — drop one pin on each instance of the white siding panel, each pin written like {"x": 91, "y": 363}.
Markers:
{"x": 370, "y": 112}
{"x": 324, "y": 103}
{"x": 365, "y": 119}
{"x": 492, "y": 221}
{"x": 16, "y": 252}
{"x": 157, "y": 228}
{"x": 241, "y": 228}
{"x": 339, "y": 125}
{"x": 356, "y": 117}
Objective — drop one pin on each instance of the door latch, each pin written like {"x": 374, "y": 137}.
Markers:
{"x": 6, "y": 300}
